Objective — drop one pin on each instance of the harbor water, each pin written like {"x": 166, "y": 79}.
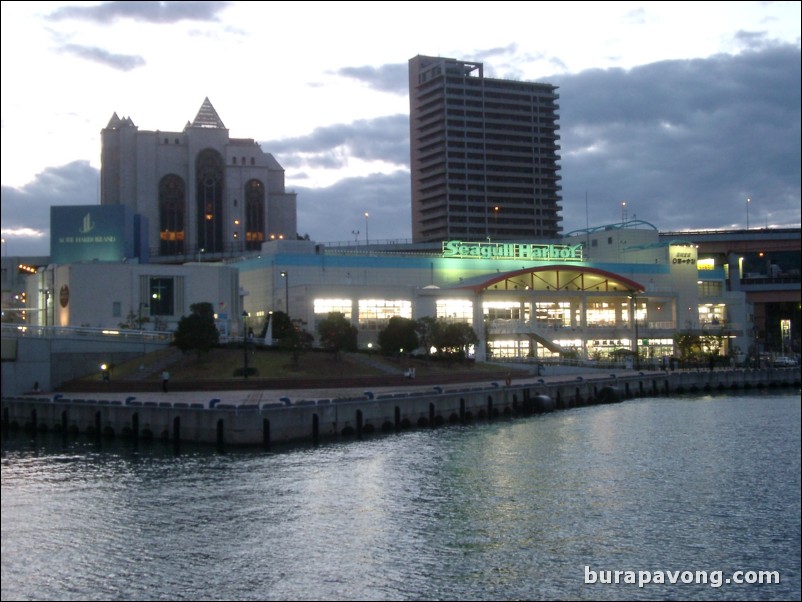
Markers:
{"x": 700, "y": 490}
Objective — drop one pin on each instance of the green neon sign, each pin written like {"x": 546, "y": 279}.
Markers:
{"x": 511, "y": 250}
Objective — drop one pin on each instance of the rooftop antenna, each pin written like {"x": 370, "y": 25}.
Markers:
{"x": 587, "y": 225}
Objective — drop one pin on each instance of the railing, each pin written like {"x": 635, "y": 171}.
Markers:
{"x": 25, "y": 330}
{"x": 502, "y": 326}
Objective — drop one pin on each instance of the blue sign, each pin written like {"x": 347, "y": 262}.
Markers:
{"x": 92, "y": 233}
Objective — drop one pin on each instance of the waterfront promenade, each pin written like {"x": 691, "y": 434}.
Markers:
{"x": 266, "y": 416}
{"x": 257, "y": 395}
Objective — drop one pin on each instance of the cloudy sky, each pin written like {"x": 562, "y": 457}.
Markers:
{"x": 680, "y": 110}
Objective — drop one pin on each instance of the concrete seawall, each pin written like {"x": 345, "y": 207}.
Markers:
{"x": 247, "y": 420}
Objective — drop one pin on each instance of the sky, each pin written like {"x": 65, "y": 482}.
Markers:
{"x": 674, "y": 113}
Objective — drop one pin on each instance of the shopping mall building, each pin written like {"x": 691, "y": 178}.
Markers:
{"x": 191, "y": 216}
{"x": 594, "y": 294}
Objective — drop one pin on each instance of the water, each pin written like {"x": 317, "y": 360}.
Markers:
{"x": 513, "y": 509}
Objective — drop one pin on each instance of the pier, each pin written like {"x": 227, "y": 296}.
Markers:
{"x": 265, "y": 417}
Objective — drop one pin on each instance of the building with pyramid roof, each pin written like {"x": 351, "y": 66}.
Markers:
{"x": 204, "y": 194}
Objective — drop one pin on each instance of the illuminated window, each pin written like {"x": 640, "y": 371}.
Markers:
{"x": 553, "y": 313}
{"x": 505, "y": 310}
{"x": 713, "y": 315}
{"x": 254, "y": 215}
{"x": 374, "y": 314}
{"x": 209, "y": 198}
{"x": 509, "y": 349}
{"x": 171, "y": 215}
{"x": 162, "y": 294}
{"x": 323, "y": 307}
{"x": 455, "y": 310}
{"x": 600, "y": 313}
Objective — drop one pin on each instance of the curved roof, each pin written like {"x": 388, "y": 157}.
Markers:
{"x": 555, "y": 278}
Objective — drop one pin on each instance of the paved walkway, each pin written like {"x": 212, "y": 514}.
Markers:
{"x": 255, "y": 396}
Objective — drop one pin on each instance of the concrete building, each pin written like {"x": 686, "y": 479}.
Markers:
{"x": 204, "y": 194}
{"x": 488, "y": 256}
{"x": 114, "y": 295}
{"x": 524, "y": 300}
{"x": 483, "y": 154}
{"x": 763, "y": 263}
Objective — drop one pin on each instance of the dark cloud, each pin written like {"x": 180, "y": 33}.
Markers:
{"x": 489, "y": 54}
{"x": 334, "y": 213}
{"x": 28, "y": 208}
{"x": 122, "y": 62}
{"x": 754, "y": 40}
{"x": 684, "y": 143}
{"x": 387, "y": 78}
{"x": 148, "y": 12}
{"x": 380, "y": 139}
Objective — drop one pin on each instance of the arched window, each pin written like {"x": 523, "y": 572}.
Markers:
{"x": 209, "y": 184}
{"x": 172, "y": 204}
{"x": 254, "y": 215}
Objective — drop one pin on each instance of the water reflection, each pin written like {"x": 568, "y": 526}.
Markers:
{"x": 505, "y": 510}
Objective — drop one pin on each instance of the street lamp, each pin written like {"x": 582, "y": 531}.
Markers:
{"x": 748, "y": 200}
{"x": 634, "y": 313}
{"x": 245, "y": 343}
{"x": 366, "y": 227}
{"x": 495, "y": 223}
{"x": 286, "y": 277}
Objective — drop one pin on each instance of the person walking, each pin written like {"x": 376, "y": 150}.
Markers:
{"x": 165, "y": 380}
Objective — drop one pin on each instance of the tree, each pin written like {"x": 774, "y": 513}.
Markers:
{"x": 297, "y": 340}
{"x": 133, "y": 321}
{"x": 426, "y": 328}
{"x": 399, "y": 335}
{"x": 689, "y": 346}
{"x": 453, "y": 338}
{"x": 282, "y": 325}
{"x": 337, "y": 333}
{"x": 197, "y": 331}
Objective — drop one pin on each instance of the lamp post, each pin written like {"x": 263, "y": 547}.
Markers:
{"x": 286, "y": 277}
{"x": 245, "y": 344}
{"x": 634, "y": 300}
{"x": 366, "y": 227}
{"x": 748, "y": 200}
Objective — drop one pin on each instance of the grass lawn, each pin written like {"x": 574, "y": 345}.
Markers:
{"x": 223, "y": 363}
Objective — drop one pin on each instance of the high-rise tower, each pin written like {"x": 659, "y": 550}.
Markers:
{"x": 484, "y": 154}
